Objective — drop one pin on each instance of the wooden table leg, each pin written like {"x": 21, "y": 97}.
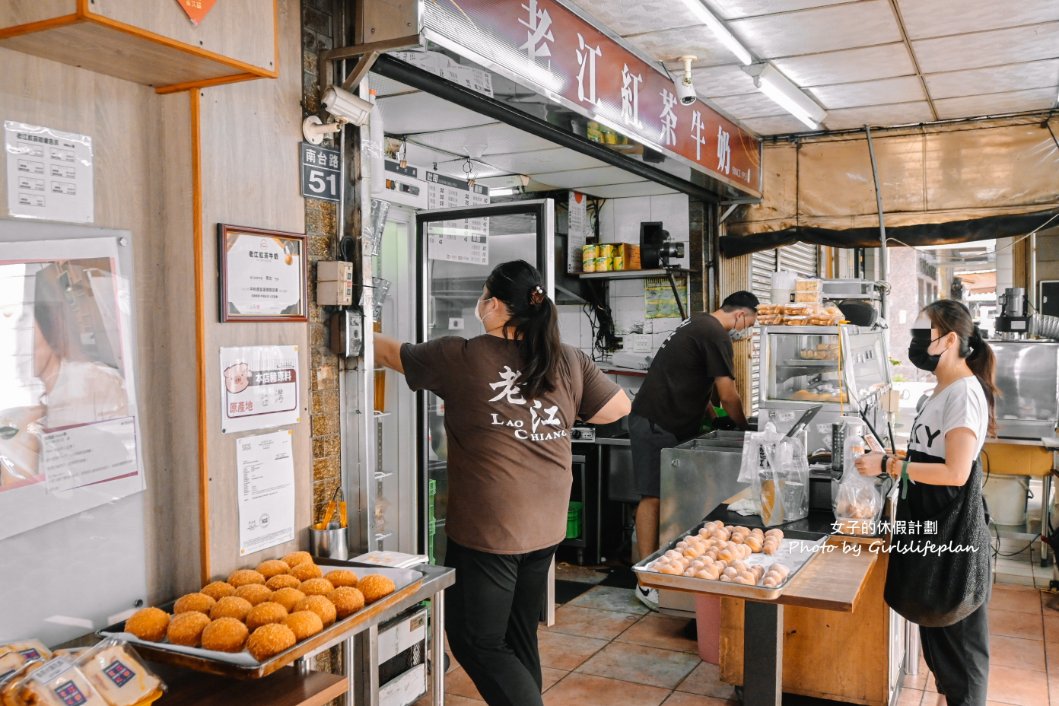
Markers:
{"x": 762, "y": 654}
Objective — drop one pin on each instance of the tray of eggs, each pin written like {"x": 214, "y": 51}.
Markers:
{"x": 256, "y": 620}
{"x": 731, "y": 560}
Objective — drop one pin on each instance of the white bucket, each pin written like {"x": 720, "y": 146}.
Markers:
{"x": 1007, "y": 497}
{"x": 780, "y": 296}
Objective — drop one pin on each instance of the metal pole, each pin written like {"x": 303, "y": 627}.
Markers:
{"x": 883, "y": 256}
{"x": 1031, "y": 271}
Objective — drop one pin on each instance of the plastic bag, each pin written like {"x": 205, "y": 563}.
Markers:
{"x": 858, "y": 503}
{"x": 777, "y": 468}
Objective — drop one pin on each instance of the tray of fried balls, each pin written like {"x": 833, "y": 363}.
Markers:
{"x": 730, "y": 560}
{"x": 261, "y": 619}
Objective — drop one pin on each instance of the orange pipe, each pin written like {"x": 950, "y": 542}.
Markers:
{"x": 200, "y": 335}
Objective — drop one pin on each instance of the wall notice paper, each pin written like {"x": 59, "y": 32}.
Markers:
{"x": 91, "y": 453}
{"x": 659, "y": 302}
{"x": 266, "y": 491}
{"x": 579, "y": 228}
{"x": 49, "y": 173}
{"x": 259, "y": 387}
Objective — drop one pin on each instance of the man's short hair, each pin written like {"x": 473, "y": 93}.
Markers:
{"x": 740, "y": 300}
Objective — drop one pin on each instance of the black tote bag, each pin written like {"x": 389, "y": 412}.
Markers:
{"x": 940, "y": 589}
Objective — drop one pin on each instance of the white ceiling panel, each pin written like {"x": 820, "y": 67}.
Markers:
{"x": 387, "y": 86}
{"x": 638, "y": 16}
{"x": 751, "y": 105}
{"x": 484, "y": 139}
{"x": 556, "y": 159}
{"x": 775, "y": 125}
{"x": 940, "y": 18}
{"x": 672, "y": 44}
{"x": 881, "y": 92}
{"x": 717, "y": 81}
{"x": 879, "y": 115}
{"x": 424, "y": 156}
{"x": 973, "y": 51}
{"x": 408, "y": 113}
{"x": 996, "y": 79}
{"x": 863, "y": 64}
{"x": 732, "y": 9}
{"x": 580, "y": 178}
{"x": 1012, "y": 102}
{"x": 819, "y": 30}
{"x": 618, "y": 191}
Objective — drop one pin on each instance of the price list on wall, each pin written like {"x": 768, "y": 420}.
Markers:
{"x": 462, "y": 240}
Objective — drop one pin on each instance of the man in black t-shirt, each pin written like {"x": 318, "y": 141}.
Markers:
{"x": 669, "y": 408}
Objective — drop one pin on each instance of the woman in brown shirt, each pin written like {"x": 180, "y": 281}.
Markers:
{"x": 511, "y": 397}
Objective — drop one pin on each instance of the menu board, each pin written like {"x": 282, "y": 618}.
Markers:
{"x": 459, "y": 240}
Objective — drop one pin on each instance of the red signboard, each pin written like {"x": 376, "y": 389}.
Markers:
{"x": 544, "y": 44}
{"x": 197, "y": 9}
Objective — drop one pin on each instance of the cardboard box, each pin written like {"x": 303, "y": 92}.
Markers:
{"x": 629, "y": 254}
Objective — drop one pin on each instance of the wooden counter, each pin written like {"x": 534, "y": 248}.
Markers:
{"x": 283, "y": 688}
{"x": 836, "y": 630}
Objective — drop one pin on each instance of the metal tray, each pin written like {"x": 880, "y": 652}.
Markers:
{"x": 797, "y": 548}
{"x": 242, "y": 665}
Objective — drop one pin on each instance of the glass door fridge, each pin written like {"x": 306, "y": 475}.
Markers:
{"x": 456, "y": 251}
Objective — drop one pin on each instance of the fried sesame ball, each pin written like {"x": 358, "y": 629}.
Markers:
{"x": 273, "y": 567}
{"x": 269, "y": 640}
{"x": 288, "y": 598}
{"x": 148, "y": 624}
{"x": 316, "y": 587}
{"x": 295, "y": 558}
{"x": 225, "y": 635}
{"x": 306, "y": 571}
{"x": 254, "y": 592}
{"x": 186, "y": 628}
{"x": 283, "y": 581}
{"x": 376, "y": 586}
{"x": 342, "y": 577}
{"x": 243, "y": 577}
{"x": 194, "y": 602}
{"x": 347, "y": 600}
{"x": 264, "y": 614}
{"x": 231, "y": 607}
{"x": 319, "y": 605}
{"x": 218, "y": 590}
{"x": 304, "y": 623}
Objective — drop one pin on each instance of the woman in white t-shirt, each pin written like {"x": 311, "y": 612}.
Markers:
{"x": 943, "y": 448}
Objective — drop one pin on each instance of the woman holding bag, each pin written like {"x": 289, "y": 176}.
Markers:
{"x": 946, "y": 592}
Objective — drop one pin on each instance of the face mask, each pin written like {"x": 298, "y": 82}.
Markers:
{"x": 477, "y": 313}
{"x": 739, "y": 334}
{"x": 917, "y": 351}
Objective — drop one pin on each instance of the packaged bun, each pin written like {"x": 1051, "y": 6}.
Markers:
{"x": 59, "y": 683}
{"x": 116, "y": 672}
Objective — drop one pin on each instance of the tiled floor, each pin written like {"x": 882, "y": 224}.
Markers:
{"x": 606, "y": 649}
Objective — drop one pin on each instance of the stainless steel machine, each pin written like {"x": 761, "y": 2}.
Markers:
{"x": 1027, "y": 375}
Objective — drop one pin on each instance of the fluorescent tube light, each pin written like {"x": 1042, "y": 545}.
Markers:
{"x": 504, "y": 191}
{"x": 787, "y": 94}
{"x": 720, "y": 31}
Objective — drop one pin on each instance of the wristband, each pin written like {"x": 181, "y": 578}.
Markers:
{"x": 904, "y": 479}
{"x": 883, "y": 462}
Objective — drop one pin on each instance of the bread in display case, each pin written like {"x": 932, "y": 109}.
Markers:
{"x": 845, "y": 368}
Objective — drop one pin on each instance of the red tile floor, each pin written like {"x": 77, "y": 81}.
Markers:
{"x": 606, "y": 649}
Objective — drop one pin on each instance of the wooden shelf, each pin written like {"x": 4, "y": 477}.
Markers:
{"x": 631, "y": 274}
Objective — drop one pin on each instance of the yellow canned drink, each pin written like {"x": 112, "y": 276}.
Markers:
{"x": 588, "y": 258}
{"x": 606, "y": 250}
{"x": 619, "y": 263}
{"x": 604, "y": 264}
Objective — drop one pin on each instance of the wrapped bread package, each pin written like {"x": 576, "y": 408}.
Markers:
{"x": 15, "y": 654}
{"x": 116, "y": 672}
{"x": 58, "y": 683}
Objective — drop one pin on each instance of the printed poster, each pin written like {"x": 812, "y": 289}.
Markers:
{"x": 259, "y": 388}
{"x": 68, "y": 418}
{"x": 49, "y": 173}
{"x": 266, "y": 491}
{"x": 659, "y": 302}
{"x": 578, "y": 229}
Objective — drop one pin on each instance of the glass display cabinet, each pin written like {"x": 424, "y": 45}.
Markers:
{"x": 844, "y": 368}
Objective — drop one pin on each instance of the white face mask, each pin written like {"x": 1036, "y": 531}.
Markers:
{"x": 739, "y": 334}
{"x": 477, "y": 312}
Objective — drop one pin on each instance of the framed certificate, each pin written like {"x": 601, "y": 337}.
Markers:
{"x": 262, "y": 274}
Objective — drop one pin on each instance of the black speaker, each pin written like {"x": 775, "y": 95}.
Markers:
{"x": 652, "y": 236}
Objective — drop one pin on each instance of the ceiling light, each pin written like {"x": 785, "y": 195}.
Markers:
{"x": 786, "y": 94}
{"x": 506, "y": 191}
{"x": 720, "y": 31}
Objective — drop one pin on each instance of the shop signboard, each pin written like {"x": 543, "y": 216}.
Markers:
{"x": 550, "y": 48}
{"x": 49, "y": 173}
{"x": 321, "y": 172}
{"x": 259, "y": 387}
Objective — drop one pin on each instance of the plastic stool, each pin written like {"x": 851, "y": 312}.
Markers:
{"x": 708, "y": 626}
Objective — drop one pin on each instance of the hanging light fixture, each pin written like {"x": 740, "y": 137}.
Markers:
{"x": 787, "y": 94}
{"x": 404, "y": 153}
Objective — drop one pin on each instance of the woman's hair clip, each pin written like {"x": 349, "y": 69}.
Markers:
{"x": 536, "y": 295}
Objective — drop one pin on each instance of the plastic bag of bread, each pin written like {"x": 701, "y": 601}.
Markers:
{"x": 117, "y": 673}
{"x": 858, "y": 503}
{"x": 58, "y": 683}
{"x": 14, "y": 655}
{"x": 11, "y": 682}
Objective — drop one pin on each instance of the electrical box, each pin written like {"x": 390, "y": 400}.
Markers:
{"x": 402, "y": 659}
{"x": 334, "y": 283}
{"x": 347, "y": 333}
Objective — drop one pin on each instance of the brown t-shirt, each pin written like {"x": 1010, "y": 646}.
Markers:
{"x": 509, "y": 457}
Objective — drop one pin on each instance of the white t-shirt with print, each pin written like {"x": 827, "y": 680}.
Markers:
{"x": 960, "y": 405}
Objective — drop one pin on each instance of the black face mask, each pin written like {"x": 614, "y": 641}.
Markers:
{"x": 917, "y": 351}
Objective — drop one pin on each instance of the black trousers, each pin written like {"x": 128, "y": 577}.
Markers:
{"x": 958, "y": 655}
{"x": 491, "y": 620}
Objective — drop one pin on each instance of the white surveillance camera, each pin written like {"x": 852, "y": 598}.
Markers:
{"x": 685, "y": 87}
{"x": 345, "y": 106}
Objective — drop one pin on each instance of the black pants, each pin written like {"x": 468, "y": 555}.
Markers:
{"x": 958, "y": 655}
{"x": 491, "y": 620}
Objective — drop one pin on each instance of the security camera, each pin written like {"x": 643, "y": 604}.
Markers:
{"x": 345, "y": 106}
{"x": 685, "y": 87}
